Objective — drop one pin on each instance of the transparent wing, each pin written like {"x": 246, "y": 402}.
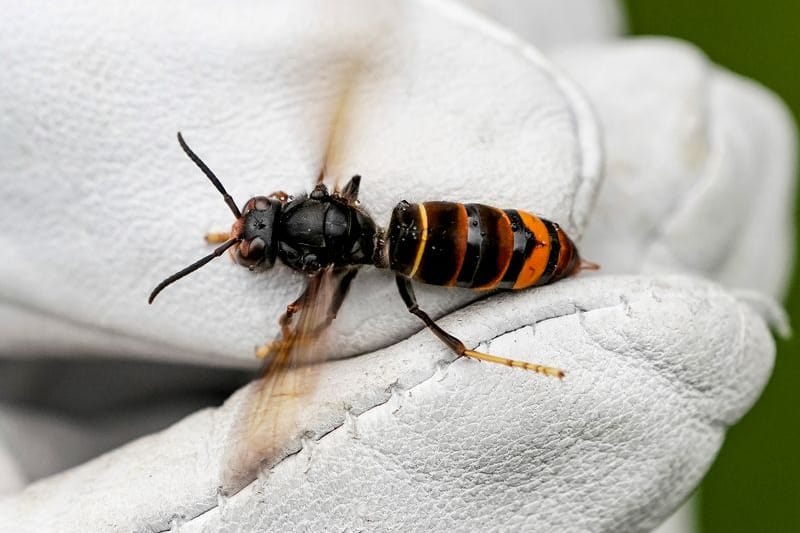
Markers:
{"x": 342, "y": 120}
{"x": 267, "y": 422}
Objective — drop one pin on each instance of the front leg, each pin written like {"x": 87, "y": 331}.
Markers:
{"x": 217, "y": 237}
{"x": 285, "y": 319}
{"x": 341, "y": 280}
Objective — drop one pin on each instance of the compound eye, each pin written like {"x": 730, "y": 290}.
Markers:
{"x": 257, "y": 203}
{"x": 250, "y": 253}
{"x": 253, "y": 249}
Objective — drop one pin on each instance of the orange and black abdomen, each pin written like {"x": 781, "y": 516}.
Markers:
{"x": 477, "y": 246}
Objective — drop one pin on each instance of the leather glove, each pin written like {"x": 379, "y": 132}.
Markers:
{"x": 404, "y": 436}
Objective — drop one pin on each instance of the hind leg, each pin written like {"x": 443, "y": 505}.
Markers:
{"x": 455, "y": 344}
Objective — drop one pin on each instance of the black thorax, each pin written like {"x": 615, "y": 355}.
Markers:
{"x": 317, "y": 231}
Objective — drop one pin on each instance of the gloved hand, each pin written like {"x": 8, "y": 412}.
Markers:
{"x": 101, "y": 205}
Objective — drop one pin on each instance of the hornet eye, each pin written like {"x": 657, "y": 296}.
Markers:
{"x": 253, "y": 249}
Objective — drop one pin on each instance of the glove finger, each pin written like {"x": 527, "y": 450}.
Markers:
{"x": 122, "y": 208}
{"x": 551, "y": 24}
{"x": 699, "y": 166}
{"x": 657, "y": 369}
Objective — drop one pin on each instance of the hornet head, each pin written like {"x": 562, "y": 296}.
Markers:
{"x": 252, "y": 235}
{"x": 255, "y": 229}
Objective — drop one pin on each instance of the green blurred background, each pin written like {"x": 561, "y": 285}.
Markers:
{"x": 755, "y": 483}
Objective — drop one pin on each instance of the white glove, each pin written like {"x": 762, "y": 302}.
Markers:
{"x": 657, "y": 367}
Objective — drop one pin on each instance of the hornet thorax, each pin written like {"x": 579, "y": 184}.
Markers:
{"x": 322, "y": 230}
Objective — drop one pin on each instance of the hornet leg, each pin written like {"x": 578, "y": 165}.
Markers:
{"x": 306, "y": 298}
{"x": 286, "y": 318}
{"x": 337, "y": 299}
{"x": 350, "y": 191}
{"x": 216, "y": 237}
{"x": 410, "y": 299}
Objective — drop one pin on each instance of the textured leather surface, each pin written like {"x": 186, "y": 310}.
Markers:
{"x": 257, "y": 101}
{"x": 657, "y": 369}
{"x": 701, "y": 159}
{"x": 551, "y": 24}
{"x": 404, "y": 437}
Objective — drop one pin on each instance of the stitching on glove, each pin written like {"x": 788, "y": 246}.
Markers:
{"x": 396, "y": 392}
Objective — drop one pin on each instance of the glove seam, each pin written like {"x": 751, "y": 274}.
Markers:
{"x": 340, "y": 425}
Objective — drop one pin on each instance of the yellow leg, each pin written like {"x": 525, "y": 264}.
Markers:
{"x": 268, "y": 348}
{"x": 281, "y": 344}
{"x": 217, "y": 237}
{"x": 539, "y": 369}
{"x": 407, "y": 293}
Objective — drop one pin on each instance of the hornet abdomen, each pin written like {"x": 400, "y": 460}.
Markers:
{"x": 477, "y": 246}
